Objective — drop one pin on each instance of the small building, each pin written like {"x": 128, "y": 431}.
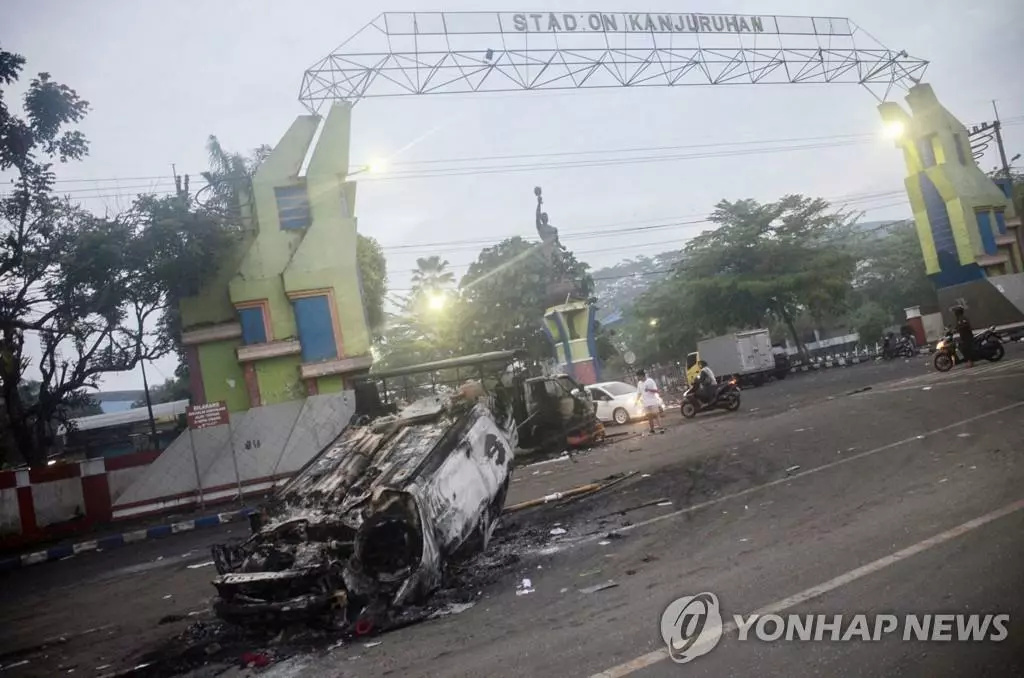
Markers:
{"x": 113, "y": 434}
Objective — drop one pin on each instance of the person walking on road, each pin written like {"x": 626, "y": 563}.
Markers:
{"x": 963, "y": 327}
{"x": 647, "y": 394}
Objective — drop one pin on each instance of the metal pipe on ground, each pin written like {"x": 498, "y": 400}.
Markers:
{"x": 574, "y": 493}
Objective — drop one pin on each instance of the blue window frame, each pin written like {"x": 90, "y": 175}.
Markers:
{"x": 316, "y": 328}
{"x": 988, "y": 240}
{"x": 1001, "y": 222}
{"x": 292, "y": 207}
{"x": 254, "y": 328}
{"x": 927, "y": 151}
{"x": 958, "y": 142}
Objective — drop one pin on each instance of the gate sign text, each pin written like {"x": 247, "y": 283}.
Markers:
{"x": 207, "y": 415}
{"x": 600, "y": 22}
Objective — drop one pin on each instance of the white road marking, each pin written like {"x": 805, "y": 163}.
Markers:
{"x": 650, "y": 658}
{"x": 810, "y": 471}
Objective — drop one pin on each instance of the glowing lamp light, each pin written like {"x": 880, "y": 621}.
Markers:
{"x": 377, "y": 166}
{"x": 893, "y": 129}
{"x": 654, "y": 322}
{"x": 436, "y": 302}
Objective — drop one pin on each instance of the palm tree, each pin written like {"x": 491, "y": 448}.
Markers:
{"x": 229, "y": 174}
{"x": 430, "y": 276}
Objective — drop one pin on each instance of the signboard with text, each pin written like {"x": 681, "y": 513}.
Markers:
{"x": 207, "y": 415}
{"x": 505, "y": 23}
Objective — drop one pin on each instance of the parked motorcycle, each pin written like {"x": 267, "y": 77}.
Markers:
{"x": 987, "y": 346}
{"x": 727, "y": 397}
{"x": 898, "y": 347}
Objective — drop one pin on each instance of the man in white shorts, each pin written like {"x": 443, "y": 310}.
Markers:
{"x": 647, "y": 393}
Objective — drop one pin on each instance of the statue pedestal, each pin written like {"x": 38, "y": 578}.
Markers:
{"x": 572, "y": 329}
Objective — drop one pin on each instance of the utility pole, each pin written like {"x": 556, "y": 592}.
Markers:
{"x": 1002, "y": 149}
{"x": 149, "y": 405}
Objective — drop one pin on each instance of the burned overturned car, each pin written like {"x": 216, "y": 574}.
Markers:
{"x": 366, "y": 528}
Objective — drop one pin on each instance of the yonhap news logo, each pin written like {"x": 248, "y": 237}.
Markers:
{"x": 691, "y": 627}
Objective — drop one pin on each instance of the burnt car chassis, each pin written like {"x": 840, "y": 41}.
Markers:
{"x": 369, "y": 525}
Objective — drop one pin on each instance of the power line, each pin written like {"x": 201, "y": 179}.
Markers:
{"x": 602, "y": 250}
{"x": 844, "y": 138}
{"x": 610, "y": 229}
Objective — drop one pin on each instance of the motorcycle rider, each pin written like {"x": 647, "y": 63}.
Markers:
{"x": 707, "y": 385}
{"x": 963, "y": 327}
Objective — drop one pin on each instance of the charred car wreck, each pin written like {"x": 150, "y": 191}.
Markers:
{"x": 367, "y": 526}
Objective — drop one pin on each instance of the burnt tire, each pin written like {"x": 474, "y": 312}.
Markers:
{"x": 943, "y": 362}
{"x": 620, "y": 416}
{"x": 689, "y": 410}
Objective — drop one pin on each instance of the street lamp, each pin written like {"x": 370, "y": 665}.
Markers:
{"x": 375, "y": 166}
{"x": 654, "y": 322}
{"x": 893, "y": 129}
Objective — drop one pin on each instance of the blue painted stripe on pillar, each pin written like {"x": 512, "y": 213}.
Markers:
{"x": 592, "y": 340}
{"x": 1001, "y": 222}
{"x": 564, "y": 336}
{"x": 988, "y": 240}
{"x": 951, "y": 271}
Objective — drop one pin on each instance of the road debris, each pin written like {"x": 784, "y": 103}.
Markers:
{"x": 373, "y": 644}
{"x": 603, "y": 542}
{"x": 664, "y": 503}
{"x": 558, "y": 531}
{"x": 610, "y": 584}
{"x": 196, "y": 566}
{"x": 525, "y": 587}
{"x": 792, "y": 469}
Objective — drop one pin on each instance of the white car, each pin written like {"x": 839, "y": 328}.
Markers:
{"x": 616, "y": 401}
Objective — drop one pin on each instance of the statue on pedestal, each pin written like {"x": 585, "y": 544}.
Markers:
{"x": 548, "y": 233}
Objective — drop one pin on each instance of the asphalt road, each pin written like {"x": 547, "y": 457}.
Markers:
{"x": 804, "y": 486}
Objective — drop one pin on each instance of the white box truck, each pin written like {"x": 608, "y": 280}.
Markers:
{"x": 746, "y": 355}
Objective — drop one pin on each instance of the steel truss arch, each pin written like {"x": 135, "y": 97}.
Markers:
{"x": 400, "y": 54}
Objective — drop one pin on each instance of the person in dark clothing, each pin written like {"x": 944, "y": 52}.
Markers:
{"x": 966, "y": 332}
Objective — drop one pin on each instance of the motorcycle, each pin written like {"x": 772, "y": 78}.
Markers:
{"x": 727, "y": 397}
{"x": 987, "y": 346}
{"x": 902, "y": 347}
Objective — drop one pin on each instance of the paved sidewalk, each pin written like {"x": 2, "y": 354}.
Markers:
{"x": 168, "y": 526}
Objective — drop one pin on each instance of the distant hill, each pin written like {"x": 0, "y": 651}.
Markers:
{"x": 617, "y": 287}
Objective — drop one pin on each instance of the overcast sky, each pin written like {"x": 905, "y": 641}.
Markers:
{"x": 161, "y": 76}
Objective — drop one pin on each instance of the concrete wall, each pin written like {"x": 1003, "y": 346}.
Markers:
{"x": 934, "y": 328}
{"x": 58, "y": 501}
{"x": 270, "y": 443}
{"x": 65, "y": 499}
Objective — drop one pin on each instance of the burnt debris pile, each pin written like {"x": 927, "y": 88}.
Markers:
{"x": 368, "y": 527}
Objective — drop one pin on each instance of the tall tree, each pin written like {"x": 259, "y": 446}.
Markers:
{"x": 504, "y": 294}
{"x": 776, "y": 259}
{"x": 373, "y": 277}
{"x": 37, "y": 233}
{"x": 891, "y": 273}
{"x": 432, "y": 275}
